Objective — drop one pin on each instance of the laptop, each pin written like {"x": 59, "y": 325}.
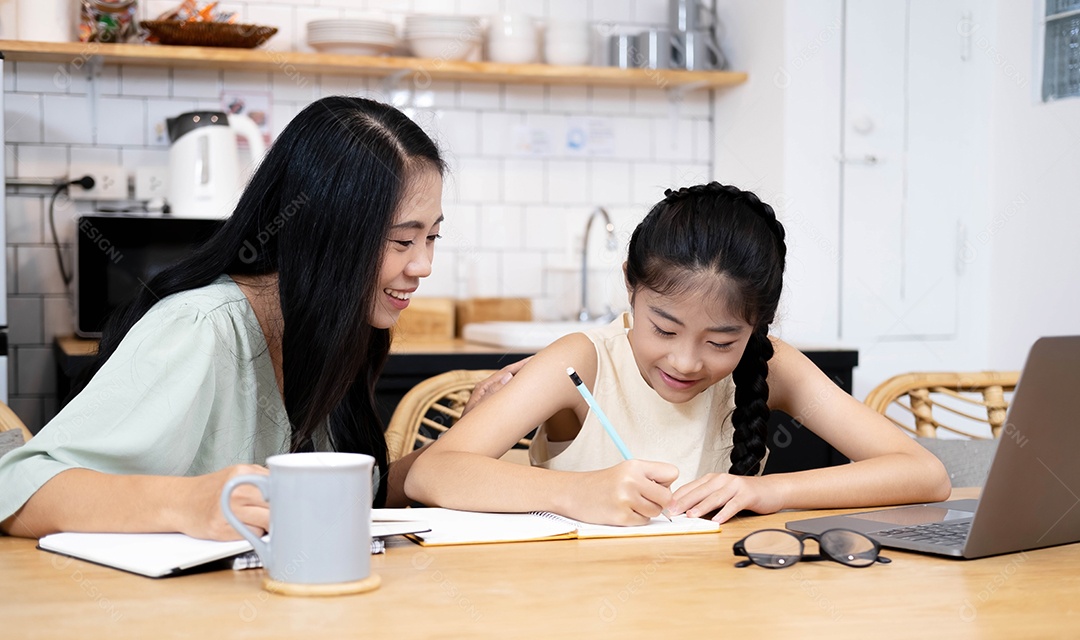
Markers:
{"x": 1032, "y": 494}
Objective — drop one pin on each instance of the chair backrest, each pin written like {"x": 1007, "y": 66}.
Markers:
{"x": 972, "y": 405}
{"x": 963, "y": 403}
{"x": 432, "y": 407}
{"x": 9, "y": 421}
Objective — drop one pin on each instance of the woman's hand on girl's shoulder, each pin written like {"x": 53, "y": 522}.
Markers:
{"x": 493, "y": 383}
{"x": 727, "y": 495}
{"x": 199, "y": 505}
{"x": 629, "y": 493}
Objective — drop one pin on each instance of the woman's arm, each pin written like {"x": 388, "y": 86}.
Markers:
{"x": 85, "y": 500}
{"x": 461, "y": 470}
{"x": 888, "y": 467}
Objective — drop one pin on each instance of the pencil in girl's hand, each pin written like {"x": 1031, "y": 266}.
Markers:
{"x": 602, "y": 417}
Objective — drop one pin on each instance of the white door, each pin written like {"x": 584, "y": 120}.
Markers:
{"x": 908, "y": 143}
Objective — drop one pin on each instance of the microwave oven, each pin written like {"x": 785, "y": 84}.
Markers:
{"x": 116, "y": 254}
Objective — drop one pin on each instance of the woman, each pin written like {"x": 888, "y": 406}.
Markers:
{"x": 268, "y": 339}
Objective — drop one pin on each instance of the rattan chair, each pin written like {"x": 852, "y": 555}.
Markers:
{"x": 9, "y": 421}
{"x": 971, "y": 406}
{"x": 963, "y": 403}
{"x": 432, "y": 407}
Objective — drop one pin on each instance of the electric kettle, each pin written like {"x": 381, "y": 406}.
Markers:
{"x": 204, "y": 162}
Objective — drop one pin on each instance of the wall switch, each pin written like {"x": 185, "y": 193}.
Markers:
{"x": 151, "y": 182}
{"x": 110, "y": 182}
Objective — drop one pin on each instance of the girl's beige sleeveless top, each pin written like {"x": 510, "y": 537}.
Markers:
{"x": 695, "y": 436}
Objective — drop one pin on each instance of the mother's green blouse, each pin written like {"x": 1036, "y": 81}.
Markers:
{"x": 190, "y": 390}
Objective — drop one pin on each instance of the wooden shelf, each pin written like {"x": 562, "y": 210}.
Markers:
{"x": 79, "y": 53}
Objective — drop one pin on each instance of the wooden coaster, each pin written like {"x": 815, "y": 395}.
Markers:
{"x": 369, "y": 583}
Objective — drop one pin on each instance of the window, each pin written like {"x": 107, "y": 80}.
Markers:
{"x": 1061, "y": 57}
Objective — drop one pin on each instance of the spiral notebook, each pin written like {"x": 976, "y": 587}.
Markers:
{"x": 158, "y": 555}
{"x": 452, "y": 527}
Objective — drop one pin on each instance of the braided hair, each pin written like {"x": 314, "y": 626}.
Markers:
{"x": 723, "y": 230}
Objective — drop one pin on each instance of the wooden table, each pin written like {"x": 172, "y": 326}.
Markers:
{"x": 679, "y": 586}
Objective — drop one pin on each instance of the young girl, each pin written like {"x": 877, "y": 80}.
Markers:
{"x": 268, "y": 339}
{"x": 688, "y": 380}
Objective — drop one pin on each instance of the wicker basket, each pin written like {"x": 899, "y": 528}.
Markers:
{"x": 208, "y": 34}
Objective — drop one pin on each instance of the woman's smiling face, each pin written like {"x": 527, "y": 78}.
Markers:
{"x": 410, "y": 247}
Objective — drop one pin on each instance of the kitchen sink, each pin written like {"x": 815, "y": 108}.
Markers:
{"x": 530, "y": 336}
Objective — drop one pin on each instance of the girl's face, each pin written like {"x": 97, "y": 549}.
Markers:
{"x": 684, "y": 344}
{"x": 410, "y": 247}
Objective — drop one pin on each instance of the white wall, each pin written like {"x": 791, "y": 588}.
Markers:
{"x": 1033, "y": 239}
{"x": 780, "y": 135}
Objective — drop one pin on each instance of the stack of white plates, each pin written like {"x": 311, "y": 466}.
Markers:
{"x": 444, "y": 37}
{"x": 352, "y": 36}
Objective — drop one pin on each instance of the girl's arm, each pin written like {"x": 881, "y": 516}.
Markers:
{"x": 461, "y": 469}
{"x": 399, "y": 469}
{"x": 85, "y": 500}
{"x": 888, "y": 467}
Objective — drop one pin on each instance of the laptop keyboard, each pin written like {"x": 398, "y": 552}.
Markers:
{"x": 946, "y": 534}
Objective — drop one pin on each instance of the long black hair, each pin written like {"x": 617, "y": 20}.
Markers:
{"x": 720, "y": 229}
{"x": 316, "y": 212}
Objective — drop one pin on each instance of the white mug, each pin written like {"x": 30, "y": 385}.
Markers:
{"x": 513, "y": 39}
{"x": 47, "y": 20}
{"x": 320, "y": 517}
{"x": 567, "y": 43}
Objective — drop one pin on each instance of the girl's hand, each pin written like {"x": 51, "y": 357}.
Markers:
{"x": 629, "y": 493}
{"x": 730, "y": 494}
{"x": 200, "y": 514}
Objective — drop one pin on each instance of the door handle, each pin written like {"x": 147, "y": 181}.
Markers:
{"x": 868, "y": 159}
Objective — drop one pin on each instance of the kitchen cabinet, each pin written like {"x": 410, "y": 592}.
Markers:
{"x": 915, "y": 120}
{"x": 420, "y": 71}
{"x": 792, "y": 447}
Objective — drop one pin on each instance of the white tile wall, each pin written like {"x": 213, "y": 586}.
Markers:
{"x": 22, "y": 117}
{"x": 516, "y": 198}
{"x": 144, "y": 81}
{"x": 567, "y": 182}
{"x": 25, "y": 220}
{"x": 26, "y": 320}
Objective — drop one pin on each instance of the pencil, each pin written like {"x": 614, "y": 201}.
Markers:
{"x": 602, "y": 417}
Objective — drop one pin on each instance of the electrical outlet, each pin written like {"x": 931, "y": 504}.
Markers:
{"x": 110, "y": 182}
{"x": 151, "y": 183}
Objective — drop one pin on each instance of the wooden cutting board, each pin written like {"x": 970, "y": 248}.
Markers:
{"x": 426, "y": 320}
{"x": 492, "y": 309}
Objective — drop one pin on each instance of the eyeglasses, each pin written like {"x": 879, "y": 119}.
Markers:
{"x": 779, "y": 548}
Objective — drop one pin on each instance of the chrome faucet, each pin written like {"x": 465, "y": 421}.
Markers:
{"x": 584, "y": 314}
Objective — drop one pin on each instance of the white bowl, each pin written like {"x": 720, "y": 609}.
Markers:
{"x": 513, "y": 51}
{"x": 447, "y": 23}
{"x": 512, "y": 25}
{"x": 575, "y": 54}
{"x": 443, "y": 48}
{"x": 352, "y": 48}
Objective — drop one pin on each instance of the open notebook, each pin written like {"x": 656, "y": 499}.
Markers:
{"x": 158, "y": 555}
{"x": 450, "y": 527}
